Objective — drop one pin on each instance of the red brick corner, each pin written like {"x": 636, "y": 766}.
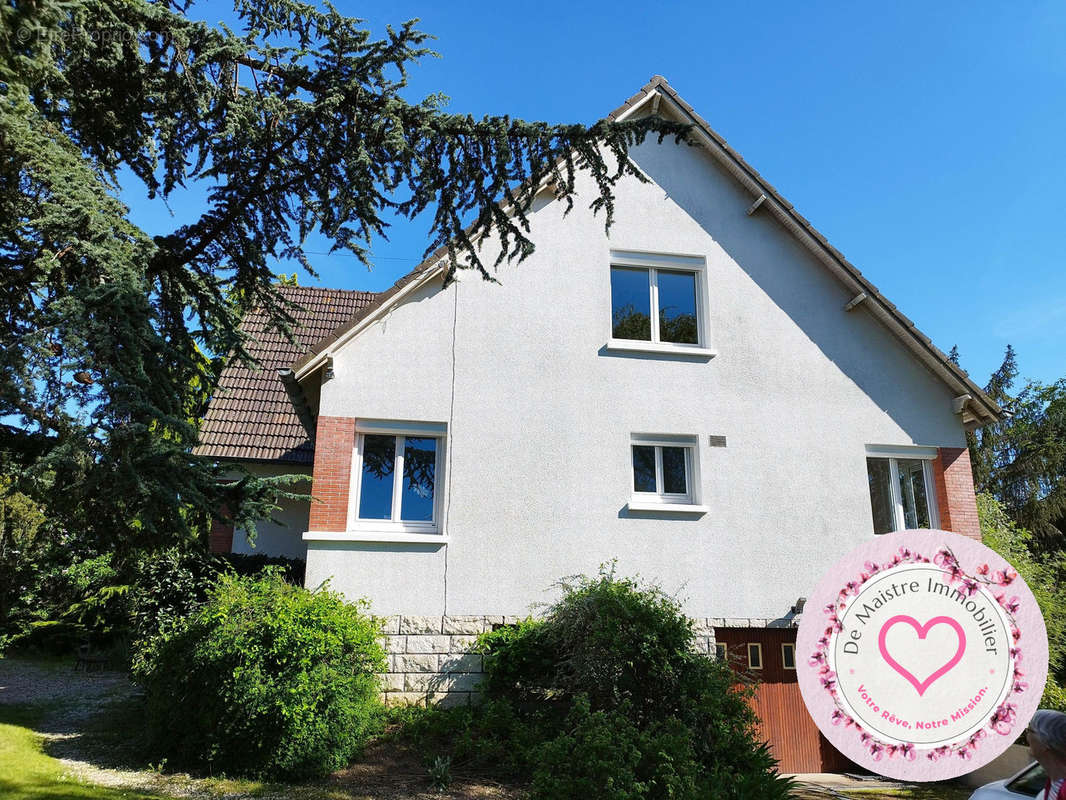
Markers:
{"x": 334, "y": 440}
{"x": 220, "y": 538}
{"x": 955, "y": 493}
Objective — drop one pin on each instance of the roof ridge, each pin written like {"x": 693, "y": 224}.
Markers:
{"x": 285, "y": 287}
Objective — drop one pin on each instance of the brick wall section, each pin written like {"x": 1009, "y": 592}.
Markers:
{"x": 334, "y": 440}
{"x": 954, "y": 492}
{"x": 220, "y": 539}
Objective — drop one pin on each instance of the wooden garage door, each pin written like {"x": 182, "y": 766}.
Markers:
{"x": 784, "y": 722}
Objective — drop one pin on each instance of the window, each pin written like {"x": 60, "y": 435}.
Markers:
{"x": 656, "y": 303}
{"x": 665, "y": 474}
{"x": 901, "y": 489}
{"x": 720, "y": 651}
{"x": 396, "y": 476}
{"x": 788, "y": 655}
{"x": 754, "y": 655}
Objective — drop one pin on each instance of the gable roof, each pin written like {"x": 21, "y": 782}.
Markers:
{"x": 658, "y": 97}
{"x": 252, "y": 415}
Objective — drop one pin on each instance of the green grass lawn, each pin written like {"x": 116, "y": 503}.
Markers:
{"x": 26, "y": 773}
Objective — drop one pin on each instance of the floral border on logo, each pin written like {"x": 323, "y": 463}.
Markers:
{"x": 1002, "y": 718}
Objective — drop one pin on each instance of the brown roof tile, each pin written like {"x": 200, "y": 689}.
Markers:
{"x": 251, "y": 416}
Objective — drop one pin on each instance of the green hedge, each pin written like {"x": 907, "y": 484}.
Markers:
{"x": 265, "y": 679}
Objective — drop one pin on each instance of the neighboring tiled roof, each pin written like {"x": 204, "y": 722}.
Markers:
{"x": 251, "y": 416}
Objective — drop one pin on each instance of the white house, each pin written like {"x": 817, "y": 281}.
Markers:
{"x": 709, "y": 393}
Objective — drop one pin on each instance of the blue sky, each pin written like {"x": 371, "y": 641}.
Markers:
{"x": 924, "y": 140}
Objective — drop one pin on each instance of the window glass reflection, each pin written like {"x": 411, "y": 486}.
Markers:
{"x": 419, "y": 467}
{"x": 643, "y": 468}
{"x": 375, "y": 488}
{"x": 674, "y": 470}
{"x": 677, "y": 307}
{"x": 630, "y": 304}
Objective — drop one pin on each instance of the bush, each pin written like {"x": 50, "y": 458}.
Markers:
{"x": 606, "y": 696}
{"x": 169, "y": 585}
{"x": 265, "y": 679}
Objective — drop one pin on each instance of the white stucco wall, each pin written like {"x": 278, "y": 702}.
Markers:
{"x": 282, "y": 535}
{"x": 540, "y": 416}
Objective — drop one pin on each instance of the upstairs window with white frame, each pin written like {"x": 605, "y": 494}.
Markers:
{"x": 657, "y": 302}
{"x": 396, "y": 472}
{"x": 665, "y": 473}
{"x": 902, "y": 491}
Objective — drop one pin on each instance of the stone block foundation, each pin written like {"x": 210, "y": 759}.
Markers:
{"x": 432, "y": 659}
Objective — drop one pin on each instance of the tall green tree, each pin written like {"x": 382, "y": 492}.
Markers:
{"x": 1044, "y": 574}
{"x": 293, "y": 124}
{"x": 1021, "y": 461}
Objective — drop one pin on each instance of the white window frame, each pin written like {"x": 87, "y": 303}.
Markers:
{"x": 655, "y": 262}
{"x": 895, "y": 454}
{"x": 667, "y": 501}
{"x": 721, "y": 651}
{"x": 784, "y": 647}
{"x": 401, "y": 431}
{"x": 758, "y": 648}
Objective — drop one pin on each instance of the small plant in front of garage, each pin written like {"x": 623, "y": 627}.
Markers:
{"x": 266, "y": 680}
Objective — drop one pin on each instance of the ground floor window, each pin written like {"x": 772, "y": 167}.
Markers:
{"x": 396, "y": 471}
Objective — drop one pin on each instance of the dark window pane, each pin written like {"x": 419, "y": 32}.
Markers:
{"x": 674, "y": 471}
{"x": 677, "y": 307}
{"x": 754, "y": 656}
{"x": 643, "y": 468}
{"x": 881, "y": 494}
{"x": 630, "y": 304}
{"x": 788, "y": 656}
{"x": 912, "y": 492}
{"x": 419, "y": 468}
{"x": 375, "y": 490}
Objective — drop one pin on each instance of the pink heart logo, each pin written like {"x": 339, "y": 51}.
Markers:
{"x": 921, "y": 630}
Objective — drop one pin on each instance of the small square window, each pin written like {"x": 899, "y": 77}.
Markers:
{"x": 720, "y": 651}
{"x": 788, "y": 655}
{"x": 754, "y": 655}
{"x": 664, "y": 471}
{"x": 901, "y": 491}
{"x": 395, "y": 478}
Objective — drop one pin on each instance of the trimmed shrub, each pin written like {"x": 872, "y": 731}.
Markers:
{"x": 265, "y": 679}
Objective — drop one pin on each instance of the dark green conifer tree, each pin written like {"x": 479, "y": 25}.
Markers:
{"x": 294, "y": 123}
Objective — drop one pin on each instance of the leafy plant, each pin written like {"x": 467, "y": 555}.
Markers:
{"x": 440, "y": 773}
{"x": 265, "y": 679}
{"x": 606, "y": 696}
